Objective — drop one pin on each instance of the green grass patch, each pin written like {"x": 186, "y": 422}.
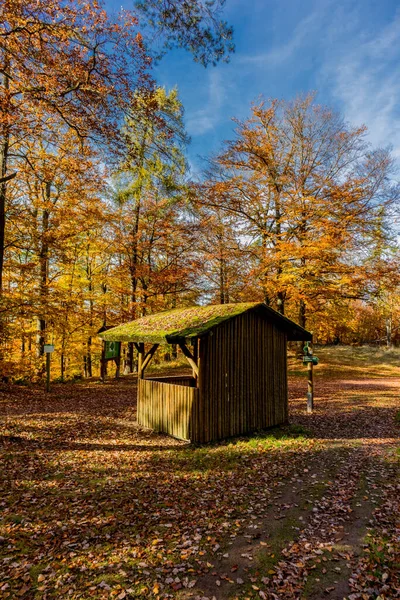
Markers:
{"x": 350, "y": 362}
{"x": 228, "y": 455}
{"x": 16, "y": 519}
{"x": 35, "y": 571}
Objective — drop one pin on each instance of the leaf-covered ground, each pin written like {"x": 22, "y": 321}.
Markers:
{"x": 93, "y": 507}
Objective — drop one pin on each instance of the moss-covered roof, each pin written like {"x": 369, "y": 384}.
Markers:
{"x": 178, "y": 325}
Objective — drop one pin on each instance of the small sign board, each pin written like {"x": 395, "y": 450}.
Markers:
{"x": 310, "y": 359}
{"x": 112, "y": 350}
{"x": 48, "y": 348}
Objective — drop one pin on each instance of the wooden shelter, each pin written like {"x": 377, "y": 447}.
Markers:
{"x": 238, "y": 357}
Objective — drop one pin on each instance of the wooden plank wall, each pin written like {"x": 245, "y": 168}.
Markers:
{"x": 242, "y": 379}
{"x": 166, "y": 407}
{"x": 187, "y": 380}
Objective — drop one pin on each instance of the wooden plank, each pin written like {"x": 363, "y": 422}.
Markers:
{"x": 220, "y": 374}
{"x": 190, "y": 358}
{"x": 166, "y": 407}
{"x": 205, "y": 416}
{"x": 140, "y": 349}
{"x": 196, "y": 358}
{"x": 285, "y": 398}
{"x": 239, "y": 402}
{"x": 264, "y": 362}
{"x": 148, "y": 356}
{"x": 186, "y": 380}
{"x": 199, "y": 421}
{"x": 241, "y": 379}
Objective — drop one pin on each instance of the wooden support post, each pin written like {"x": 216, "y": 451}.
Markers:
{"x": 149, "y": 355}
{"x": 310, "y": 387}
{"x": 190, "y": 358}
{"x": 140, "y": 348}
{"x": 196, "y": 359}
{"x": 118, "y": 363}
{"x": 103, "y": 362}
{"x": 48, "y": 371}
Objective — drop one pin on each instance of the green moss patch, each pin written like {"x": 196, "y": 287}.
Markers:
{"x": 175, "y": 325}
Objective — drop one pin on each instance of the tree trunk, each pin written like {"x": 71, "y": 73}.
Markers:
{"x": 302, "y": 323}
{"x": 267, "y": 298}
{"x": 129, "y": 358}
{"x": 62, "y": 366}
{"x": 88, "y": 362}
{"x": 221, "y": 281}
{"x": 389, "y": 328}
{"x": 44, "y": 272}
{"x": 302, "y": 314}
{"x": 4, "y": 150}
{"x": 3, "y": 195}
{"x": 134, "y": 282}
{"x": 89, "y": 357}
{"x": 280, "y": 300}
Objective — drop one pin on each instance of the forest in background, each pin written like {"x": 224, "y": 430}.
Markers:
{"x": 101, "y": 221}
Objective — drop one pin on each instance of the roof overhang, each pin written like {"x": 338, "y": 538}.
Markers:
{"x": 185, "y": 325}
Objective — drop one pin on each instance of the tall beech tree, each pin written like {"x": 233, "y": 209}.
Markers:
{"x": 309, "y": 192}
{"x": 69, "y": 77}
{"x": 149, "y": 190}
{"x": 59, "y": 194}
{"x": 153, "y": 169}
{"x": 64, "y": 65}
{"x": 225, "y": 274}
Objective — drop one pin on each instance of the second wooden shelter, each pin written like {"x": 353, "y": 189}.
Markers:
{"x": 238, "y": 357}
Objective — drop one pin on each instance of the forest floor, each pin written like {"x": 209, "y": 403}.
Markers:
{"x": 92, "y": 506}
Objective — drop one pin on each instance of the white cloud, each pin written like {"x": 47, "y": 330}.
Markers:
{"x": 206, "y": 118}
{"x": 365, "y": 79}
{"x": 302, "y": 34}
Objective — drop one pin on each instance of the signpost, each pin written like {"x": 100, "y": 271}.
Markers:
{"x": 310, "y": 361}
{"x": 111, "y": 351}
{"x": 48, "y": 349}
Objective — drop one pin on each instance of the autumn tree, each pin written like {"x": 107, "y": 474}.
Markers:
{"x": 195, "y": 25}
{"x": 309, "y": 192}
{"x": 150, "y": 231}
{"x": 58, "y": 200}
{"x": 152, "y": 171}
{"x": 69, "y": 77}
{"x": 224, "y": 256}
{"x": 64, "y": 65}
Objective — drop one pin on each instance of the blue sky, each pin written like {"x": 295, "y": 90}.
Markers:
{"x": 346, "y": 50}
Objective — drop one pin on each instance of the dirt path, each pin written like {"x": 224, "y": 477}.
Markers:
{"x": 265, "y": 534}
{"x": 309, "y": 541}
{"x": 92, "y": 506}
{"x": 302, "y": 525}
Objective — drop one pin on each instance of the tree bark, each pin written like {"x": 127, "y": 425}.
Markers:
{"x": 389, "y": 328}
{"x": 280, "y": 299}
{"x": 88, "y": 361}
{"x": 302, "y": 314}
{"x": 3, "y": 196}
{"x": 4, "y": 151}
{"x": 221, "y": 281}
{"x": 62, "y": 366}
{"x": 44, "y": 271}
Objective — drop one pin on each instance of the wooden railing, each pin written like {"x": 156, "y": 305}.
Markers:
{"x": 167, "y": 407}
